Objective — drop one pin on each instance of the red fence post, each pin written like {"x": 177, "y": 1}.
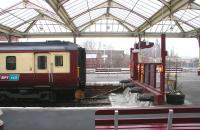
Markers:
{"x": 134, "y": 63}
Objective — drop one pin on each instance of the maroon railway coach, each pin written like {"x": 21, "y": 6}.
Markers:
{"x": 44, "y": 70}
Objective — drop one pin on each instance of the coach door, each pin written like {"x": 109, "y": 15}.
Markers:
{"x": 43, "y": 68}
{"x": 60, "y": 68}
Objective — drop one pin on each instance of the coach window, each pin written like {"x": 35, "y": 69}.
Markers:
{"x": 58, "y": 60}
{"x": 10, "y": 63}
{"x": 42, "y": 62}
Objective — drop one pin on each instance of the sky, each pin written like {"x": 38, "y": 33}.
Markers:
{"x": 183, "y": 47}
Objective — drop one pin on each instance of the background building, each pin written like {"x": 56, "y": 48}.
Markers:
{"x": 106, "y": 59}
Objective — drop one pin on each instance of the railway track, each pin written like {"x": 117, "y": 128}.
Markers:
{"x": 89, "y": 102}
{"x": 95, "y": 96}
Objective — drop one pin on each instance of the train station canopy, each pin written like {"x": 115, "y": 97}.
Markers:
{"x": 99, "y": 18}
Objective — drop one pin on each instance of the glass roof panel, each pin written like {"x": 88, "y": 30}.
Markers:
{"x": 134, "y": 20}
{"x": 47, "y": 26}
{"x": 37, "y": 5}
{"x": 75, "y": 7}
{"x": 51, "y": 15}
{"x": 197, "y": 1}
{"x": 93, "y": 3}
{"x": 106, "y": 25}
{"x": 16, "y": 17}
{"x": 194, "y": 23}
{"x": 24, "y": 11}
{"x": 96, "y": 13}
{"x": 144, "y": 7}
{"x": 130, "y": 27}
{"x": 190, "y": 16}
{"x": 8, "y": 3}
{"x": 119, "y": 13}
{"x": 89, "y": 16}
{"x": 23, "y": 27}
{"x": 127, "y": 3}
{"x": 147, "y": 8}
{"x": 131, "y": 18}
{"x": 82, "y": 19}
{"x": 43, "y": 4}
{"x": 186, "y": 27}
{"x": 164, "y": 26}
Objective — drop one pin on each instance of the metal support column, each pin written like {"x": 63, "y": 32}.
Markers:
{"x": 139, "y": 65}
{"x": 9, "y": 38}
{"x": 163, "y": 56}
{"x": 75, "y": 38}
{"x": 199, "y": 55}
{"x": 149, "y": 65}
{"x": 134, "y": 64}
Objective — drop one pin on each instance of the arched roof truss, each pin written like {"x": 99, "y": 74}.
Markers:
{"x": 84, "y": 17}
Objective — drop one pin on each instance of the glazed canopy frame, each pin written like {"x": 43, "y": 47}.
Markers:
{"x": 100, "y": 18}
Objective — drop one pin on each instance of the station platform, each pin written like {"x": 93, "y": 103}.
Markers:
{"x": 72, "y": 118}
{"x": 48, "y": 118}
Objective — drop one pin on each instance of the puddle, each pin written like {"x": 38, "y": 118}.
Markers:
{"x": 127, "y": 99}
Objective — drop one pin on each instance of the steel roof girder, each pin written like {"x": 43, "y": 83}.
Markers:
{"x": 108, "y": 8}
{"x": 163, "y": 13}
{"x": 104, "y": 34}
{"x": 165, "y": 3}
{"x": 121, "y": 23}
{"x": 62, "y": 2}
{"x": 62, "y": 14}
{"x": 30, "y": 26}
{"x": 179, "y": 26}
{"x": 7, "y": 30}
{"x": 193, "y": 33}
{"x": 194, "y": 6}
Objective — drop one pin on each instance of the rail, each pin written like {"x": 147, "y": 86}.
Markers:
{"x": 166, "y": 118}
{"x": 127, "y": 70}
{"x": 107, "y": 70}
{"x": 173, "y": 70}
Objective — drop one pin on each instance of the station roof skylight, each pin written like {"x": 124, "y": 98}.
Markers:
{"x": 27, "y": 17}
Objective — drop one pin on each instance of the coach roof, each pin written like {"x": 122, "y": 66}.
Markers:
{"x": 38, "y": 46}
